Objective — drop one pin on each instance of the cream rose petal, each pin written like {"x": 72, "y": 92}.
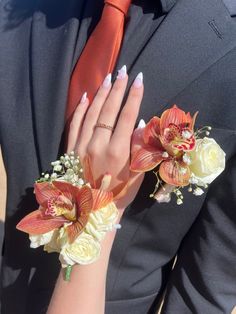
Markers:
{"x": 91, "y": 229}
{"x": 84, "y": 250}
{"x": 40, "y": 239}
{"x": 53, "y": 245}
{"x": 101, "y": 221}
{"x": 208, "y": 161}
{"x": 58, "y": 240}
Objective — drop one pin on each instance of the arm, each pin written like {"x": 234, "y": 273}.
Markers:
{"x": 85, "y": 293}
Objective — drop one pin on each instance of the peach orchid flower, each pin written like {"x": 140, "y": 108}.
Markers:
{"x": 60, "y": 203}
{"x": 164, "y": 142}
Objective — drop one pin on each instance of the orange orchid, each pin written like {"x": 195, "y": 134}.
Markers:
{"x": 165, "y": 140}
{"x": 60, "y": 203}
{"x": 118, "y": 192}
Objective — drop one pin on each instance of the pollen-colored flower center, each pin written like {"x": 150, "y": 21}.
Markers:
{"x": 61, "y": 206}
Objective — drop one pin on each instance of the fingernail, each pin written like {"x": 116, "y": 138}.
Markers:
{"x": 122, "y": 72}
{"x": 83, "y": 98}
{"x": 138, "y": 82}
{"x": 107, "y": 81}
{"x": 141, "y": 124}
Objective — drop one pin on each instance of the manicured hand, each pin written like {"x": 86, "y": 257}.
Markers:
{"x": 103, "y": 149}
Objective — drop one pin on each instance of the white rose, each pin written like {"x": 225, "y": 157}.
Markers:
{"x": 207, "y": 161}
{"x": 40, "y": 239}
{"x": 101, "y": 221}
{"x": 53, "y": 245}
{"x": 84, "y": 250}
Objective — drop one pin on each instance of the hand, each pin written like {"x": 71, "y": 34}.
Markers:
{"x": 107, "y": 151}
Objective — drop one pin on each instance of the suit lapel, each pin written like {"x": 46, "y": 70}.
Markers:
{"x": 54, "y": 50}
{"x": 47, "y": 71}
{"x": 189, "y": 40}
{"x": 178, "y": 48}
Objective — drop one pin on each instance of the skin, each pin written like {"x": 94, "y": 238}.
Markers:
{"x": 85, "y": 293}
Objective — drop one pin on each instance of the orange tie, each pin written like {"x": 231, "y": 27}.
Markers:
{"x": 99, "y": 55}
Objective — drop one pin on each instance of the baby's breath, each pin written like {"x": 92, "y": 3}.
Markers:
{"x": 67, "y": 168}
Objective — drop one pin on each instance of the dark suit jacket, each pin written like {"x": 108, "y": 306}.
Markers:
{"x": 189, "y": 58}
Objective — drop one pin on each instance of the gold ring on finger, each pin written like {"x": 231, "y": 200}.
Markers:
{"x": 104, "y": 126}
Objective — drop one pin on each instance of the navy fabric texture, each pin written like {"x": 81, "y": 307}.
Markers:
{"x": 188, "y": 57}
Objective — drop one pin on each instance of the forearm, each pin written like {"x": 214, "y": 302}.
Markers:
{"x": 85, "y": 292}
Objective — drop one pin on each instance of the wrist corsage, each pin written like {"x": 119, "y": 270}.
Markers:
{"x": 178, "y": 155}
{"x": 72, "y": 218}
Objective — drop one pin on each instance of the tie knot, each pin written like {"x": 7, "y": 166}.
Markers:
{"x": 122, "y": 5}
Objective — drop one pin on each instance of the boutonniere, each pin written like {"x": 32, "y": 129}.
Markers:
{"x": 72, "y": 218}
{"x": 178, "y": 155}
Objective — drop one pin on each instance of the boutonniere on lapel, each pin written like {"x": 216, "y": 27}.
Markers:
{"x": 178, "y": 155}
{"x": 72, "y": 218}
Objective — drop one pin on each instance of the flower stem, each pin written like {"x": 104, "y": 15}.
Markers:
{"x": 68, "y": 272}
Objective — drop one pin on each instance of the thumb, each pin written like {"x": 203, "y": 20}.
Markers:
{"x": 137, "y": 137}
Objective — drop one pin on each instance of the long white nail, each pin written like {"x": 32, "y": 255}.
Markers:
{"x": 138, "y": 82}
{"x": 83, "y": 98}
{"x": 107, "y": 82}
{"x": 122, "y": 72}
{"x": 117, "y": 226}
{"x": 141, "y": 124}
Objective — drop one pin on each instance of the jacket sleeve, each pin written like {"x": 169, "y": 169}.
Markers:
{"x": 204, "y": 277}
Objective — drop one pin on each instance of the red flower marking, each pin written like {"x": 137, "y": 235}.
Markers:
{"x": 61, "y": 202}
{"x": 164, "y": 142}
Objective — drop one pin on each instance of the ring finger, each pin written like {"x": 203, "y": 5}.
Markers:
{"x": 111, "y": 108}
{"x": 92, "y": 116}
